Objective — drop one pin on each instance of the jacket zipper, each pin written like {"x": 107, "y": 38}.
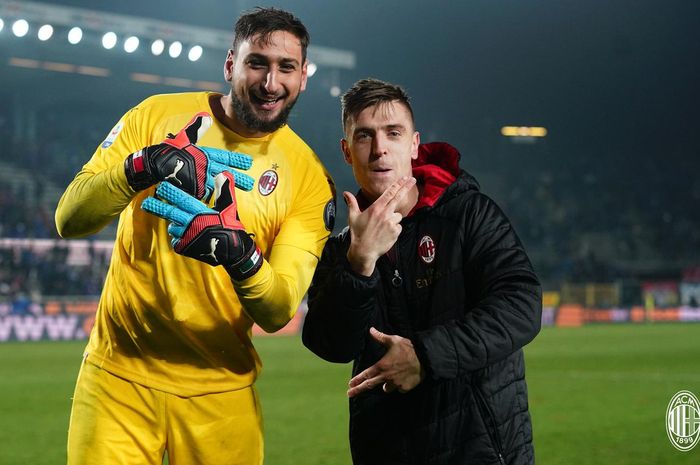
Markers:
{"x": 493, "y": 435}
{"x": 393, "y": 256}
{"x": 397, "y": 314}
{"x": 397, "y": 280}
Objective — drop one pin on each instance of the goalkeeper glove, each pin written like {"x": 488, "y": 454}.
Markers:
{"x": 185, "y": 165}
{"x": 214, "y": 236}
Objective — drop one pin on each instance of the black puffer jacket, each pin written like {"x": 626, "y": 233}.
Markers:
{"x": 459, "y": 285}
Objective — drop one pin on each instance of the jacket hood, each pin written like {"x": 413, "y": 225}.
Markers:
{"x": 436, "y": 169}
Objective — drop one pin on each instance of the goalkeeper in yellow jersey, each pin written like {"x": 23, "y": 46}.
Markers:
{"x": 170, "y": 365}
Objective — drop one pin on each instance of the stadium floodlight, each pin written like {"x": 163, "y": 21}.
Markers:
{"x": 311, "y": 69}
{"x": 109, "y": 40}
{"x": 2, "y": 24}
{"x": 45, "y": 32}
{"x": 75, "y": 35}
{"x": 335, "y": 91}
{"x": 523, "y": 131}
{"x": 20, "y": 27}
{"x": 131, "y": 44}
{"x": 157, "y": 47}
{"x": 195, "y": 53}
{"x": 175, "y": 49}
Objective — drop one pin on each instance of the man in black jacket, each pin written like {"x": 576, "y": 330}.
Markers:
{"x": 430, "y": 293}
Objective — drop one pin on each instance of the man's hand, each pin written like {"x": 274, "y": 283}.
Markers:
{"x": 398, "y": 369}
{"x": 185, "y": 165}
{"x": 217, "y": 236}
{"x": 374, "y": 231}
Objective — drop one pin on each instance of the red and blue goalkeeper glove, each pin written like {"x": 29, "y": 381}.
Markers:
{"x": 185, "y": 165}
{"x": 214, "y": 236}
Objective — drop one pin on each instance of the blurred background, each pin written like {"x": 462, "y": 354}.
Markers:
{"x": 579, "y": 118}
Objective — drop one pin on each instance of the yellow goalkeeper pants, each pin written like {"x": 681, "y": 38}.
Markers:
{"x": 117, "y": 422}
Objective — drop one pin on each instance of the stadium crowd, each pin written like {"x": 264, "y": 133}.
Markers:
{"x": 27, "y": 275}
{"x": 20, "y": 217}
{"x": 587, "y": 222}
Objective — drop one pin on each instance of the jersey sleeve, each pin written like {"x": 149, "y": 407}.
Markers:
{"x": 272, "y": 295}
{"x": 312, "y": 221}
{"x": 100, "y": 191}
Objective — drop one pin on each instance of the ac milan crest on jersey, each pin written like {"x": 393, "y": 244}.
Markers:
{"x": 267, "y": 182}
{"x": 426, "y": 249}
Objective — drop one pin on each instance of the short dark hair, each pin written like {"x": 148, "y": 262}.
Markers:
{"x": 265, "y": 22}
{"x": 369, "y": 92}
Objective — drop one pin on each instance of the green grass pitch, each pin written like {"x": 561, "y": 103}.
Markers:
{"x": 598, "y": 395}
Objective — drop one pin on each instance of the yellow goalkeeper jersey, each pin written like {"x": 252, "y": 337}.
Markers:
{"x": 174, "y": 323}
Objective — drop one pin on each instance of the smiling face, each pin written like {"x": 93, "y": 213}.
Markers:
{"x": 267, "y": 74}
{"x": 380, "y": 143}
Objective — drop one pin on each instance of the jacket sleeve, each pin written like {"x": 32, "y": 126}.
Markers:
{"x": 508, "y": 308}
{"x": 341, "y": 305}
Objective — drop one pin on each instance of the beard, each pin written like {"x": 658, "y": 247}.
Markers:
{"x": 247, "y": 116}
